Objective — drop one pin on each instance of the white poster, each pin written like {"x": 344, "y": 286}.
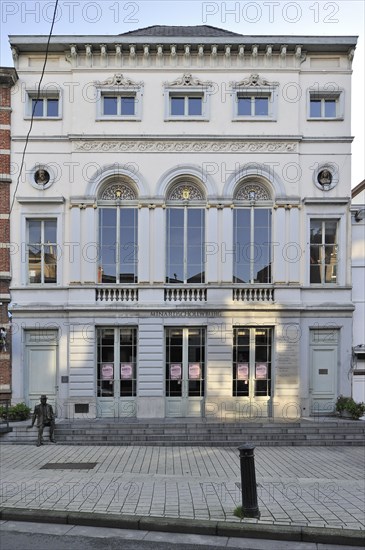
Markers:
{"x": 261, "y": 371}
{"x": 242, "y": 371}
{"x": 194, "y": 371}
{"x": 126, "y": 371}
{"x": 175, "y": 371}
{"x": 107, "y": 371}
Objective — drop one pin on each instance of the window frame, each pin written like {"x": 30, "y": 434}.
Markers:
{"x": 186, "y": 93}
{"x": 185, "y": 209}
{"x": 269, "y": 92}
{"x": 44, "y": 95}
{"x": 252, "y": 208}
{"x": 322, "y": 95}
{"x": 42, "y": 219}
{"x": 120, "y": 92}
{"x": 322, "y": 265}
{"x": 119, "y": 208}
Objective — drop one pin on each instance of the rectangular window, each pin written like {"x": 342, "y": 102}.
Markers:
{"x": 186, "y": 105}
{"x": 118, "y": 243}
{"x": 252, "y": 348}
{"x": 185, "y": 245}
{"x": 252, "y": 242}
{"x": 44, "y": 106}
{"x": 325, "y": 105}
{"x": 42, "y": 251}
{"x": 323, "y": 251}
{"x": 117, "y": 362}
{"x": 252, "y": 106}
{"x": 118, "y": 105}
{"x": 255, "y": 104}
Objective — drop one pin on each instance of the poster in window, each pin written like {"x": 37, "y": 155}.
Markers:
{"x": 194, "y": 371}
{"x": 107, "y": 371}
{"x": 126, "y": 371}
{"x": 242, "y": 371}
{"x": 175, "y": 371}
{"x": 261, "y": 371}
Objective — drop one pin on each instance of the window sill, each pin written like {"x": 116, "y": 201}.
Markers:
{"x": 325, "y": 119}
{"x": 29, "y": 117}
{"x": 187, "y": 119}
{"x": 117, "y": 117}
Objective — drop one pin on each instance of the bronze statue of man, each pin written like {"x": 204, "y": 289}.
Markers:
{"x": 45, "y": 417}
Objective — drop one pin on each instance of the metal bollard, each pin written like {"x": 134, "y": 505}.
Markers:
{"x": 250, "y": 507}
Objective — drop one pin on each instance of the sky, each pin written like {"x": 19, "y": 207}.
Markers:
{"x": 262, "y": 17}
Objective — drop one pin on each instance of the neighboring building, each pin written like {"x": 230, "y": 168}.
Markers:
{"x": 8, "y": 78}
{"x": 358, "y": 290}
{"x": 183, "y": 224}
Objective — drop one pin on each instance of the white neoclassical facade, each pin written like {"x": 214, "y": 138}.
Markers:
{"x": 181, "y": 226}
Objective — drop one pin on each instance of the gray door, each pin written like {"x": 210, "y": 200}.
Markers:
{"x": 323, "y": 370}
{"x": 41, "y": 365}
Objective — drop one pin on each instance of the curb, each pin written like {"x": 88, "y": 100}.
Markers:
{"x": 351, "y": 537}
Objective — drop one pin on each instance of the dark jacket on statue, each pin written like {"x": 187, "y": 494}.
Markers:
{"x": 43, "y": 414}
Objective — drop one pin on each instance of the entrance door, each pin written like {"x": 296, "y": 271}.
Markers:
{"x": 41, "y": 366}
{"x": 185, "y": 371}
{"x": 252, "y": 357}
{"x": 323, "y": 358}
{"x": 116, "y": 371}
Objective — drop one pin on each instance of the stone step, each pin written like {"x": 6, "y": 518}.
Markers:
{"x": 195, "y": 433}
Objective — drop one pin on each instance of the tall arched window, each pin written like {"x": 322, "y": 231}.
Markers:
{"x": 118, "y": 225}
{"x": 252, "y": 234}
{"x": 185, "y": 226}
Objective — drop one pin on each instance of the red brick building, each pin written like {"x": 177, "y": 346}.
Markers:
{"x": 8, "y": 78}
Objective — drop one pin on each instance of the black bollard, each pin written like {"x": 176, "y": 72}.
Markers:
{"x": 250, "y": 507}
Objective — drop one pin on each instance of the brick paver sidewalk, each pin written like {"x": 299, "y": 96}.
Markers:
{"x": 316, "y": 486}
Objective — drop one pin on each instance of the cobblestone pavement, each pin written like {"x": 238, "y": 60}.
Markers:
{"x": 315, "y": 486}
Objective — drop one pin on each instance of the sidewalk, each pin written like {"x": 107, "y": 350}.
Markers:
{"x": 299, "y": 489}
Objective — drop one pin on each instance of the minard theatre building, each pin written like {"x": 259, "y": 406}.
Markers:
{"x": 181, "y": 227}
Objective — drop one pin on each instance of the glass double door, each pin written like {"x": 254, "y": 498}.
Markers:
{"x": 116, "y": 371}
{"x": 185, "y": 371}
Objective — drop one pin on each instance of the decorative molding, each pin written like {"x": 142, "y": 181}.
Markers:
{"x": 119, "y": 80}
{"x": 191, "y": 146}
{"x": 118, "y": 191}
{"x": 187, "y": 80}
{"x": 185, "y": 191}
{"x": 254, "y": 81}
{"x": 252, "y": 192}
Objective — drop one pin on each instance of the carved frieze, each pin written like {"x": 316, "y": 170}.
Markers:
{"x": 119, "y": 191}
{"x": 187, "y": 80}
{"x": 254, "y": 81}
{"x": 188, "y": 146}
{"x": 119, "y": 80}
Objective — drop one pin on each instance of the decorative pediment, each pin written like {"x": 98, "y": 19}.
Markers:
{"x": 187, "y": 80}
{"x": 254, "y": 81}
{"x": 185, "y": 191}
{"x": 120, "y": 80}
{"x": 252, "y": 192}
{"x": 118, "y": 191}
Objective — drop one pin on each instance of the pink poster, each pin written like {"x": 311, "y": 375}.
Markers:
{"x": 175, "y": 371}
{"x": 126, "y": 371}
{"x": 194, "y": 371}
{"x": 107, "y": 371}
{"x": 261, "y": 371}
{"x": 242, "y": 371}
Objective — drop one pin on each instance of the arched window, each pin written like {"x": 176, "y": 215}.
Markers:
{"x": 252, "y": 233}
{"x": 118, "y": 227}
{"x": 185, "y": 226}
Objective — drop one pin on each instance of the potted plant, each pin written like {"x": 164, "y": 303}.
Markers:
{"x": 15, "y": 413}
{"x": 346, "y": 406}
